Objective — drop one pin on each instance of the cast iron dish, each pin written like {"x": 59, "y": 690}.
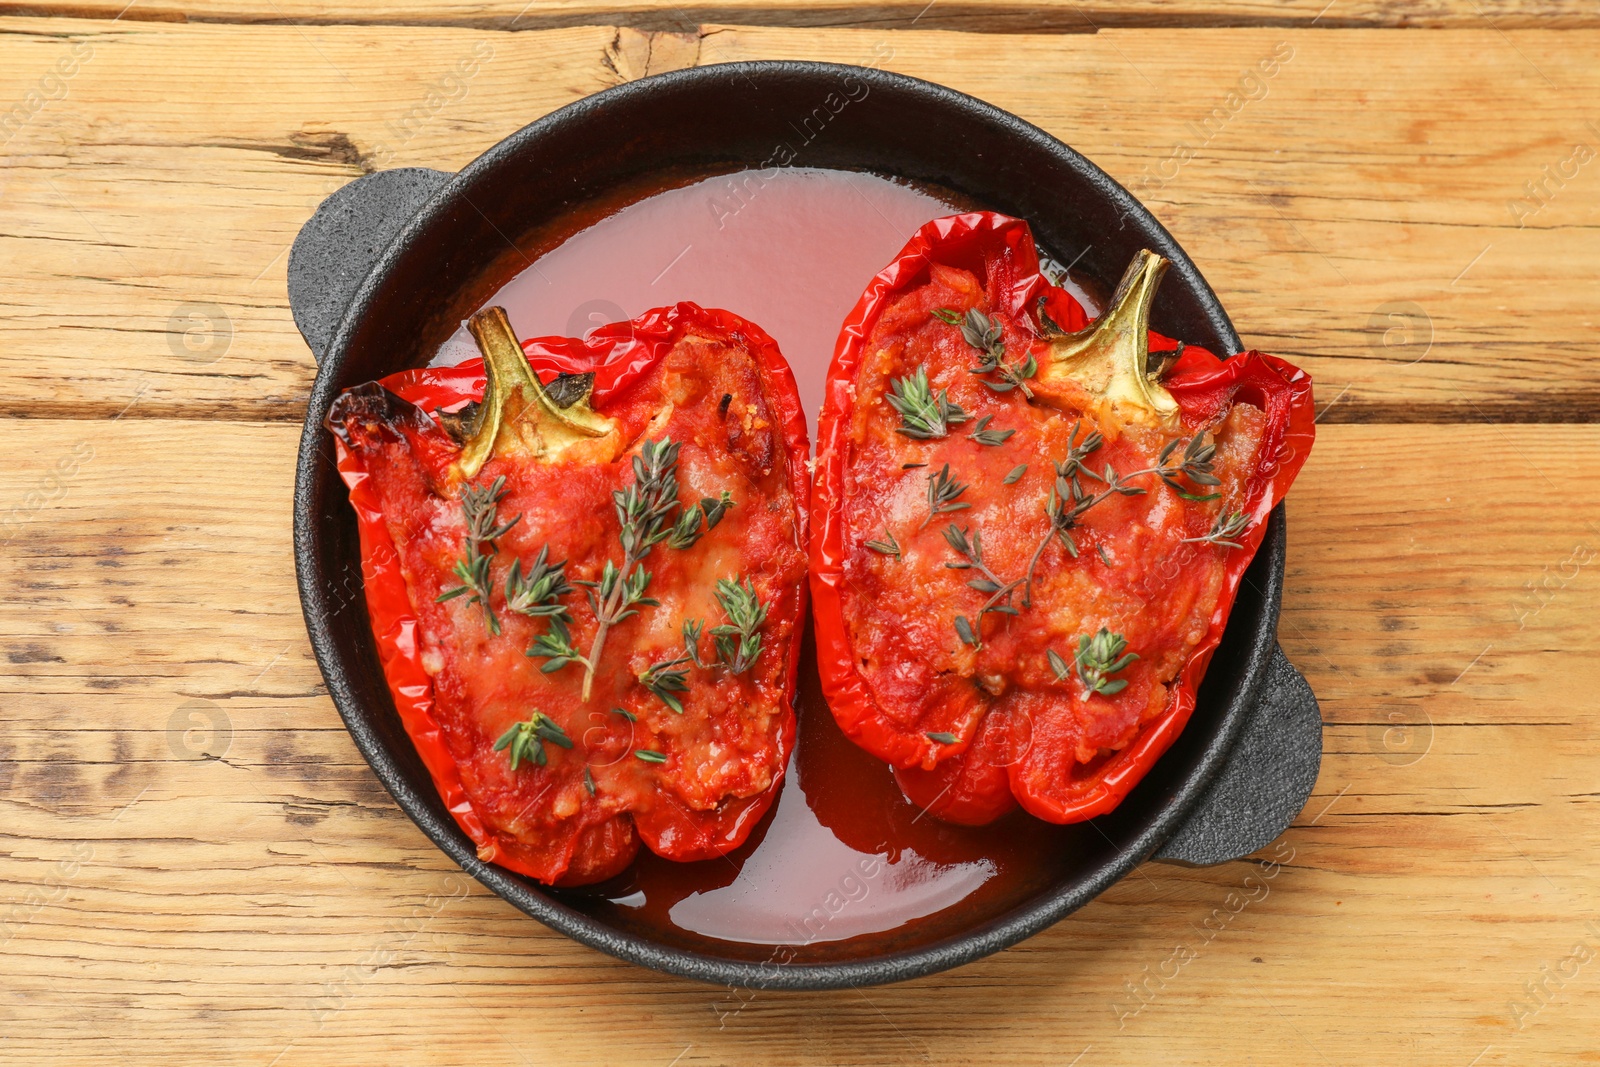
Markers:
{"x": 436, "y": 246}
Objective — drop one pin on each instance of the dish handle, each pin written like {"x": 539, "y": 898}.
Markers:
{"x": 340, "y": 243}
{"x": 1266, "y": 780}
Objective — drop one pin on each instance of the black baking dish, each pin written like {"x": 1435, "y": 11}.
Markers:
{"x": 389, "y": 265}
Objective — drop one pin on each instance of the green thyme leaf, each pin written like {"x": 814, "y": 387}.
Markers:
{"x": 650, "y": 755}
{"x": 922, "y": 414}
{"x": 554, "y": 646}
{"x": 942, "y": 493}
{"x": 1099, "y": 656}
{"x": 985, "y": 436}
{"x": 1015, "y": 475}
{"x": 1062, "y": 669}
{"x": 691, "y": 640}
{"x": 987, "y": 336}
{"x": 666, "y": 680}
{"x": 534, "y": 593}
{"x": 480, "y": 507}
{"x": 1229, "y": 524}
{"x": 888, "y": 546}
{"x": 745, "y": 613}
{"x": 526, "y": 740}
{"x": 942, "y": 738}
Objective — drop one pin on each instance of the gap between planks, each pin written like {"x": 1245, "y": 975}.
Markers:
{"x": 972, "y": 16}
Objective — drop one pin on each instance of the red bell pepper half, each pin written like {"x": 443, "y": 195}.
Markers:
{"x": 584, "y": 565}
{"x": 1030, "y": 527}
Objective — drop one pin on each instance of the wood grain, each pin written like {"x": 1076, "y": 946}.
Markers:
{"x": 272, "y": 905}
{"x": 1366, "y": 216}
{"x": 969, "y": 16}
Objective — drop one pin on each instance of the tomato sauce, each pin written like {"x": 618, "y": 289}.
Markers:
{"x": 843, "y": 862}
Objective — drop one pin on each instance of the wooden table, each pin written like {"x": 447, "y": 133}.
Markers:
{"x": 198, "y": 866}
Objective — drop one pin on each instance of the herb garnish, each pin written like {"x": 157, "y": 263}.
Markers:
{"x": 985, "y": 436}
{"x": 923, "y": 415}
{"x": 1068, "y": 499}
{"x": 942, "y": 738}
{"x": 691, "y": 640}
{"x": 1229, "y": 524}
{"x": 667, "y": 679}
{"x": 1015, "y": 474}
{"x": 888, "y": 546}
{"x": 642, "y": 509}
{"x": 650, "y": 755}
{"x": 737, "y": 641}
{"x": 588, "y": 781}
{"x": 970, "y": 548}
{"x": 745, "y": 613}
{"x": 526, "y": 740}
{"x": 688, "y": 528}
{"x": 554, "y": 646}
{"x": 534, "y": 593}
{"x": 942, "y": 493}
{"x": 480, "y": 504}
{"x": 1066, "y": 504}
{"x": 1098, "y": 657}
{"x": 986, "y": 335}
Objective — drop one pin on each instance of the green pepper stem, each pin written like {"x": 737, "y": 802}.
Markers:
{"x": 517, "y": 415}
{"x": 1110, "y": 358}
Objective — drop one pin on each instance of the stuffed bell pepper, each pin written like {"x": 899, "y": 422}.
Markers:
{"x": 584, "y": 563}
{"x": 1030, "y": 527}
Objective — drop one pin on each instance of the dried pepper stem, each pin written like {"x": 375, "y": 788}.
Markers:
{"x": 1109, "y": 360}
{"x": 519, "y": 415}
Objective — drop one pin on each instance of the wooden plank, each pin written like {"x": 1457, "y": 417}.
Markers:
{"x": 1364, "y": 201}
{"x": 969, "y": 16}
{"x": 272, "y": 905}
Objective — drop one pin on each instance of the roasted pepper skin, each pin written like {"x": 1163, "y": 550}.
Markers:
{"x": 619, "y": 356}
{"x": 980, "y": 778}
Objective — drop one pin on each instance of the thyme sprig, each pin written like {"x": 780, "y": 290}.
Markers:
{"x": 667, "y": 679}
{"x": 699, "y": 520}
{"x": 554, "y": 646}
{"x": 642, "y": 509}
{"x": 745, "y": 613}
{"x": 942, "y": 493}
{"x": 1099, "y": 656}
{"x": 986, "y": 335}
{"x": 969, "y": 546}
{"x": 1069, "y": 500}
{"x": 480, "y": 506}
{"x": 536, "y": 592}
{"x": 985, "y": 436}
{"x": 922, "y": 414}
{"x": 1229, "y": 524}
{"x": 691, "y": 641}
{"x": 526, "y": 740}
